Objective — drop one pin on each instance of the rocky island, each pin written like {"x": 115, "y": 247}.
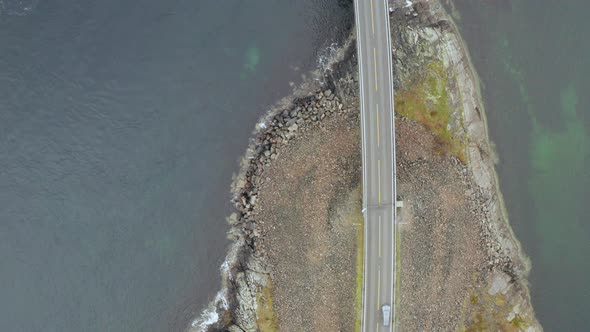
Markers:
{"x": 296, "y": 259}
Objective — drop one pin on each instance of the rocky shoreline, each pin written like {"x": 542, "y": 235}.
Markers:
{"x": 430, "y": 35}
{"x": 245, "y": 272}
{"x": 426, "y": 40}
{"x": 421, "y": 34}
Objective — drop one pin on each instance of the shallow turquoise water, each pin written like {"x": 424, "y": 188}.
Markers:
{"x": 534, "y": 60}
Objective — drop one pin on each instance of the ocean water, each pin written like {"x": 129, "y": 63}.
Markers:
{"x": 534, "y": 60}
{"x": 121, "y": 123}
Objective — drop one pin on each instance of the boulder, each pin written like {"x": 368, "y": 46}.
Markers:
{"x": 291, "y": 122}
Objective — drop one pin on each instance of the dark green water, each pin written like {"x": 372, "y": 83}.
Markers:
{"x": 534, "y": 61}
{"x": 121, "y": 123}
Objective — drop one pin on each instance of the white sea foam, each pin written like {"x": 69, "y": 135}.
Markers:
{"x": 261, "y": 125}
{"x": 327, "y": 56}
{"x": 210, "y": 315}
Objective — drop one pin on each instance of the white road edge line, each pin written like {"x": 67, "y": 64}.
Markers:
{"x": 364, "y": 161}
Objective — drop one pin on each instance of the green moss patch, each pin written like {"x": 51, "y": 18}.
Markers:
{"x": 486, "y": 312}
{"x": 265, "y": 315}
{"x": 426, "y": 100}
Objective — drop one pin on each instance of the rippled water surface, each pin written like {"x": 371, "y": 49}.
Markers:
{"x": 534, "y": 59}
{"x": 121, "y": 123}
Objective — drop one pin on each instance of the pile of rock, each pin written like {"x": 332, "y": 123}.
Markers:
{"x": 480, "y": 205}
{"x": 284, "y": 125}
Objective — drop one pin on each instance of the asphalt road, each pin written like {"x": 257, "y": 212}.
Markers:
{"x": 378, "y": 149}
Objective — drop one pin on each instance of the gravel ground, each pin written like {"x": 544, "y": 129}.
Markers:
{"x": 307, "y": 211}
{"x": 441, "y": 251}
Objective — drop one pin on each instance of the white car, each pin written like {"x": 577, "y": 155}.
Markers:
{"x": 386, "y": 312}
